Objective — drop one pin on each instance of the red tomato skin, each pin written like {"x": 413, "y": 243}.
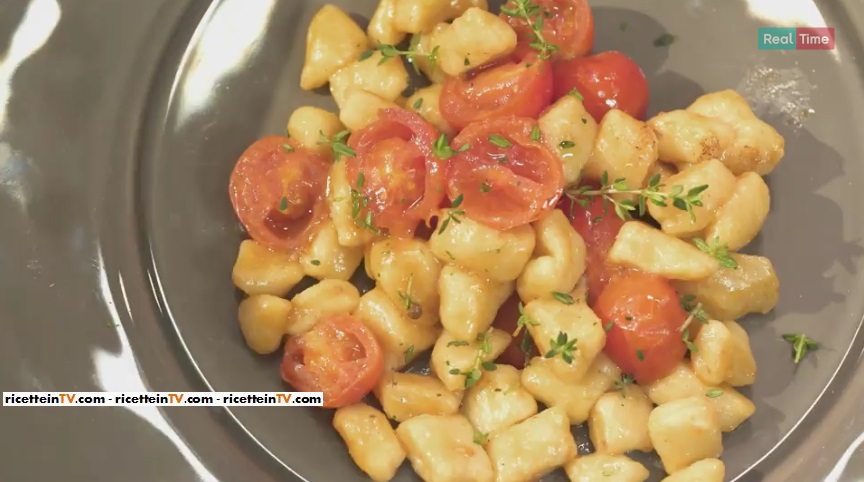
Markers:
{"x": 645, "y": 340}
{"x": 504, "y": 89}
{"x": 324, "y": 360}
{"x": 266, "y": 173}
{"x": 504, "y": 195}
{"x": 598, "y": 226}
{"x": 608, "y": 80}
{"x": 570, "y": 27}
{"x": 411, "y": 139}
{"x": 506, "y": 319}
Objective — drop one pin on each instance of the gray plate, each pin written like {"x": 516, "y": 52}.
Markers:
{"x": 120, "y": 121}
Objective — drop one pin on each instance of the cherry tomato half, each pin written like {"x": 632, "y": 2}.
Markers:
{"x": 400, "y": 180}
{"x": 567, "y": 24}
{"x": 646, "y": 313}
{"x": 509, "y": 89}
{"x": 278, "y": 191}
{"x": 507, "y": 320}
{"x": 608, "y": 80}
{"x": 339, "y": 357}
{"x": 598, "y": 226}
{"x": 505, "y": 178}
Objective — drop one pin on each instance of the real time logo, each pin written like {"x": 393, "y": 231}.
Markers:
{"x": 787, "y": 38}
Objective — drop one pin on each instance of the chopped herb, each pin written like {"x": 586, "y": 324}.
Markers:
{"x": 562, "y": 346}
{"x": 390, "y": 51}
{"x": 535, "y": 133}
{"x": 608, "y": 326}
{"x": 525, "y": 10}
{"x": 691, "y": 316}
{"x": 409, "y": 354}
{"x": 575, "y": 93}
{"x": 690, "y": 305}
{"x": 283, "y": 204}
{"x": 718, "y": 251}
{"x": 453, "y": 214}
{"x": 315, "y": 262}
{"x": 622, "y": 383}
{"x": 415, "y": 311}
{"x": 654, "y": 194}
{"x": 442, "y": 150}
{"x": 480, "y": 438}
{"x": 359, "y": 202}
{"x": 365, "y": 55}
{"x": 287, "y": 147}
{"x": 418, "y": 103}
{"x": 485, "y": 186}
{"x": 714, "y": 393}
{"x": 664, "y": 40}
{"x": 563, "y": 297}
{"x": 640, "y": 355}
{"x": 503, "y": 160}
{"x": 500, "y": 141}
{"x": 584, "y": 120}
{"x": 472, "y": 375}
{"x": 338, "y": 146}
{"x": 685, "y": 337}
{"x": 523, "y": 321}
{"x": 458, "y": 343}
{"x": 567, "y": 144}
{"x": 466, "y": 62}
{"x": 449, "y": 254}
{"x": 801, "y": 345}
{"x": 527, "y": 344}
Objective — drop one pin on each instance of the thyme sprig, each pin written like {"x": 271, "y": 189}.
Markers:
{"x": 389, "y": 51}
{"x": 534, "y": 16}
{"x": 562, "y": 345}
{"x": 801, "y": 345}
{"x": 717, "y": 250}
{"x": 654, "y": 193}
{"x": 454, "y": 214}
{"x": 337, "y": 144}
{"x": 359, "y": 202}
{"x": 474, "y": 372}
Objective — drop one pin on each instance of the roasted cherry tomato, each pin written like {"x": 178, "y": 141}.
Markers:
{"x": 339, "y": 357}
{"x": 646, "y": 316}
{"x": 608, "y": 80}
{"x": 505, "y": 178}
{"x": 278, "y": 192}
{"x": 504, "y": 89}
{"x": 567, "y": 24}
{"x": 399, "y": 181}
{"x": 519, "y": 350}
{"x": 598, "y": 225}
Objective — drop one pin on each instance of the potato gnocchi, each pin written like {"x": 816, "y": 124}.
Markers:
{"x": 557, "y": 259}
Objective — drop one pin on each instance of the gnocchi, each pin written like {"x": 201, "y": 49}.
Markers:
{"x": 523, "y": 337}
{"x": 441, "y": 448}
{"x": 685, "y": 431}
{"x": 371, "y": 441}
{"x": 326, "y": 53}
{"x": 498, "y": 401}
{"x": 530, "y": 449}
{"x": 608, "y": 468}
{"x": 260, "y": 271}
{"x": 558, "y": 260}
